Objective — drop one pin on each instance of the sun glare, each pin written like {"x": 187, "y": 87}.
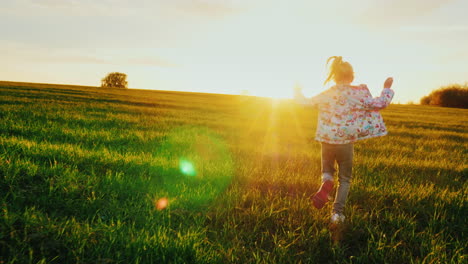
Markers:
{"x": 278, "y": 96}
{"x": 277, "y": 93}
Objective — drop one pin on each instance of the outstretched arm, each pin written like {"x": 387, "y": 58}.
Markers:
{"x": 301, "y": 99}
{"x": 383, "y": 100}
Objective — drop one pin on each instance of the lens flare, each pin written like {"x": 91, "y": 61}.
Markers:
{"x": 193, "y": 165}
{"x": 161, "y": 204}
{"x": 187, "y": 168}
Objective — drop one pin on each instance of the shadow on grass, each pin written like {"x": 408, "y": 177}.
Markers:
{"x": 64, "y": 192}
{"x": 121, "y": 142}
{"x": 418, "y": 126}
{"x": 402, "y": 225}
{"x": 394, "y": 173}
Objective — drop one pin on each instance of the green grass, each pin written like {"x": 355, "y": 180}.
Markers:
{"x": 82, "y": 170}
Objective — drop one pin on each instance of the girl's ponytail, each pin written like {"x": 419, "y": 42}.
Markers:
{"x": 339, "y": 70}
{"x": 337, "y": 60}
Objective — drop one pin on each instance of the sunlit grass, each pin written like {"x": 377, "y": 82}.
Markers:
{"x": 126, "y": 176}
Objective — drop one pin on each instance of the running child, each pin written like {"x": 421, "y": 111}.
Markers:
{"x": 347, "y": 114}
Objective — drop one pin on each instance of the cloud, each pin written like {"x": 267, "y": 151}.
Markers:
{"x": 456, "y": 56}
{"x": 80, "y": 8}
{"x": 30, "y": 53}
{"x": 207, "y": 8}
{"x": 398, "y": 12}
{"x": 71, "y": 59}
{"x": 123, "y": 8}
{"x": 150, "y": 61}
{"x": 56, "y": 3}
{"x": 86, "y": 59}
{"x": 436, "y": 28}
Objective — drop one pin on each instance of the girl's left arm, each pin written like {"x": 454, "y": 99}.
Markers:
{"x": 369, "y": 103}
{"x": 384, "y": 99}
{"x": 379, "y": 102}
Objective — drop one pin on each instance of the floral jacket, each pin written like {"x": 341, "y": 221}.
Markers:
{"x": 348, "y": 113}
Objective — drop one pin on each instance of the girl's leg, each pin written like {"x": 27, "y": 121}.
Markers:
{"x": 328, "y": 162}
{"x": 344, "y": 158}
{"x": 328, "y": 169}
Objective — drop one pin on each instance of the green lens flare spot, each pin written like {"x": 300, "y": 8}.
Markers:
{"x": 192, "y": 166}
{"x": 187, "y": 168}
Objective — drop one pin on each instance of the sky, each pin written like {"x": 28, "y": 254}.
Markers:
{"x": 263, "y": 47}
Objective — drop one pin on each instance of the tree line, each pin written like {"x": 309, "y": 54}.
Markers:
{"x": 454, "y": 95}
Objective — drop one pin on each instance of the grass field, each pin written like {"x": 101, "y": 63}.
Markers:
{"x": 92, "y": 175}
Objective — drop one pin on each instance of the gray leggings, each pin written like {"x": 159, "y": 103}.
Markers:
{"x": 343, "y": 155}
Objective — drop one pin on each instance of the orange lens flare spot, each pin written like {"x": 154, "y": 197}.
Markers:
{"x": 161, "y": 204}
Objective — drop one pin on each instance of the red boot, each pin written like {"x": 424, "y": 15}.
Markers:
{"x": 321, "y": 197}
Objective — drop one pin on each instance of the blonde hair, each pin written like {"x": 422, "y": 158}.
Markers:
{"x": 340, "y": 71}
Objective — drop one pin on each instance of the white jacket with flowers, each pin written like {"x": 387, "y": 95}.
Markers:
{"x": 348, "y": 113}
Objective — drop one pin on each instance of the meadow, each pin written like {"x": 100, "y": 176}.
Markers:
{"x": 92, "y": 175}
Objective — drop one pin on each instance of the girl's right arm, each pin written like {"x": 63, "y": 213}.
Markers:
{"x": 299, "y": 98}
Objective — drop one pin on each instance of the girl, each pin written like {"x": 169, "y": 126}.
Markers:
{"x": 346, "y": 114}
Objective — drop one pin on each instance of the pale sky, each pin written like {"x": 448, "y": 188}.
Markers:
{"x": 227, "y": 46}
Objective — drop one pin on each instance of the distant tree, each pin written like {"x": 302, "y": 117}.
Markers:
{"x": 426, "y": 100}
{"x": 454, "y": 95}
{"x": 115, "y": 80}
